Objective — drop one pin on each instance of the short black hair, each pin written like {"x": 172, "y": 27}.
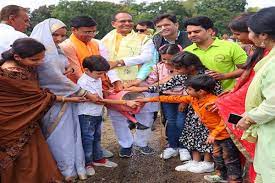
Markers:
{"x": 96, "y": 63}
{"x": 113, "y": 17}
{"x": 263, "y": 22}
{"x": 9, "y": 10}
{"x": 170, "y": 17}
{"x": 239, "y": 23}
{"x": 147, "y": 23}
{"x": 201, "y": 82}
{"x": 83, "y": 21}
{"x": 203, "y": 21}
{"x": 186, "y": 59}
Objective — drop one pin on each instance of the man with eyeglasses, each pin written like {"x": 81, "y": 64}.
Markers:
{"x": 145, "y": 27}
{"x": 81, "y": 44}
{"x": 168, "y": 27}
{"x": 128, "y": 50}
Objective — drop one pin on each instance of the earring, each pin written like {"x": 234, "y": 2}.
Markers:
{"x": 262, "y": 45}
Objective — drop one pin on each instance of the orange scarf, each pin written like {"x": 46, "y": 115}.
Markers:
{"x": 85, "y": 50}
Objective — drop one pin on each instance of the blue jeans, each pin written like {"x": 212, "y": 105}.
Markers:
{"x": 91, "y": 137}
{"x": 175, "y": 123}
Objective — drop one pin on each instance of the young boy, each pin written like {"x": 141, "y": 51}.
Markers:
{"x": 90, "y": 114}
{"x": 226, "y": 155}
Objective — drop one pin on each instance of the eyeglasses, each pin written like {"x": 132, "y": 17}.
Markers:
{"x": 90, "y": 32}
{"x": 140, "y": 30}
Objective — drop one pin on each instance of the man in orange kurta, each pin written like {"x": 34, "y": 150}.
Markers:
{"x": 82, "y": 44}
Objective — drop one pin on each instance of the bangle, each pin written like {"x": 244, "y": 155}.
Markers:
{"x": 63, "y": 99}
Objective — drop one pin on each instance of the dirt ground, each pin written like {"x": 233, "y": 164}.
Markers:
{"x": 141, "y": 168}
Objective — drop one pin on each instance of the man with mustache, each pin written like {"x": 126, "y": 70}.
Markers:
{"x": 127, "y": 50}
{"x": 223, "y": 58}
{"x": 14, "y": 21}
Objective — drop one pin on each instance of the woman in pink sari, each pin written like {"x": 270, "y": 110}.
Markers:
{"x": 234, "y": 101}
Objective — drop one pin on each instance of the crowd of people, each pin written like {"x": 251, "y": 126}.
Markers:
{"x": 53, "y": 92}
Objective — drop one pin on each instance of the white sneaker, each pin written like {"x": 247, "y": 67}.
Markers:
{"x": 169, "y": 152}
{"x": 185, "y": 166}
{"x": 90, "y": 170}
{"x": 202, "y": 167}
{"x": 184, "y": 154}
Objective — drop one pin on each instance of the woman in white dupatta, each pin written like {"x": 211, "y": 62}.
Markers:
{"x": 60, "y": 125}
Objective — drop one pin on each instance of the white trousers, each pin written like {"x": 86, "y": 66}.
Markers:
{"x": 125, "y": 138}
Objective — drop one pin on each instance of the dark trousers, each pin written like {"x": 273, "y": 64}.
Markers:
{"x": 91, "y": 137}
{"x": 227, "y": 160}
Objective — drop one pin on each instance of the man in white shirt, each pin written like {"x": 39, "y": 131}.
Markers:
{"x": 127, "y": 51}
{"x": 14, "y": 21}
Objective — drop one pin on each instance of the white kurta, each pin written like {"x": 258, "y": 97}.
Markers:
{"x": 7, "y": 36}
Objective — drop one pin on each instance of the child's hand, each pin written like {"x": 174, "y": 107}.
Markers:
{"x": 133, "y": 104}
{"x": 211, "y": 107}
{"x": 182, "y": 107}
{"x": 93, "y": 98}
{"x": 136, "y": 89}
{"x": 210, "y": 140}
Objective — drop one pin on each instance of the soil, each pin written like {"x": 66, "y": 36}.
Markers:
{"x": 141, "y": 168}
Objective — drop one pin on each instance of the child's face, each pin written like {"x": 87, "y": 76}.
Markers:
{"x": 181, "y": 70}
{"x": 95, "y": 74}
{"x": 166, "y": 59}
{"x": 191, "y": 91}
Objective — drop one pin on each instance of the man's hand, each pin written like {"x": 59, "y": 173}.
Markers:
{"x": 210, "y": 140}
{"x": 216, "y": 75}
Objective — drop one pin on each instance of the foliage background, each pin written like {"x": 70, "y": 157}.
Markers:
{"x": 220, "y": 11}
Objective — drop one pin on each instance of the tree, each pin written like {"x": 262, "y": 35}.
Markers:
{"x": 253, "y": 9}
{"x": 220, "y": 11}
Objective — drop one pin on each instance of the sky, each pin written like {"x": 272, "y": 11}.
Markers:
{"x": 33, "y": 4}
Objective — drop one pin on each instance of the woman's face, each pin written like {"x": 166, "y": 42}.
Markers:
{"x": 33, "y": 61}
{"x": 255, "y": 38}
{"x": 241, "y": 36}
{"x": 59, "y": 35}
{"x": 167, "y": 60}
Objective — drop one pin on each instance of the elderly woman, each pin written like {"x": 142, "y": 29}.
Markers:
{"x": 259, "y": 121}
{"x": 60, "y": 125}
